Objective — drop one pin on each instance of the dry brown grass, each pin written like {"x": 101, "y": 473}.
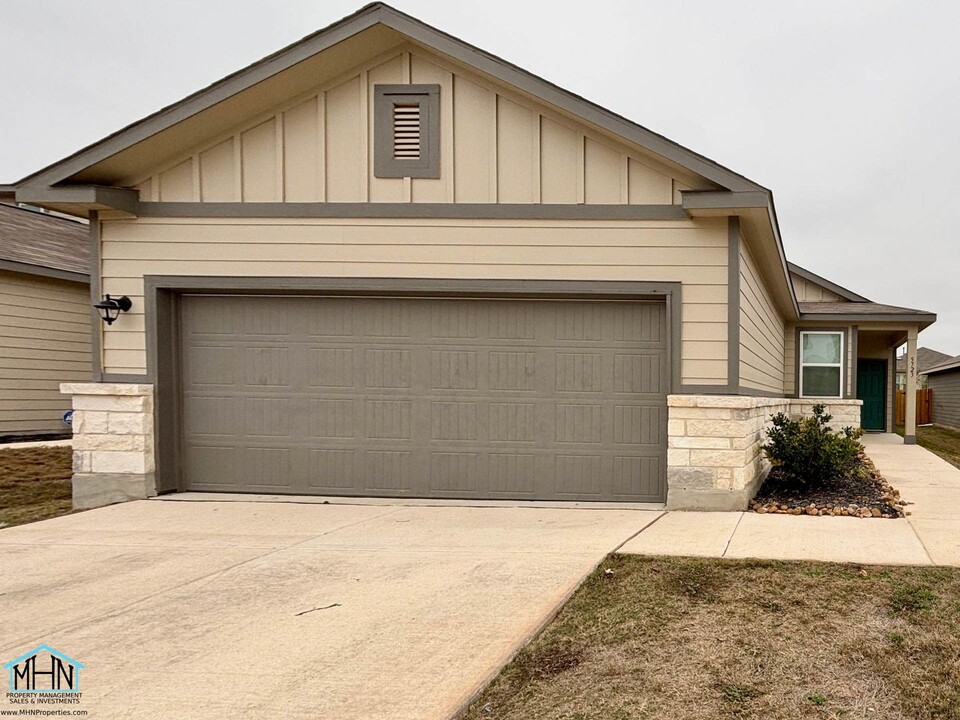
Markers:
{"x": 34, "y": 484}
{"x": 690, "y": 638}
{"x": 942, "y": 441}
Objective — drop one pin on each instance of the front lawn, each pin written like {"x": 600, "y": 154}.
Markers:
{"x": 943, "y": 442}
{"x": 34, "y": 484}
{"x": 702, "y": 638}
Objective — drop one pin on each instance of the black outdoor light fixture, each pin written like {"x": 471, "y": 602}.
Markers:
{"x": 110, "y": 308}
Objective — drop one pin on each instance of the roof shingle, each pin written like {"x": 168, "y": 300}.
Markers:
{"x": 35, "y": 238}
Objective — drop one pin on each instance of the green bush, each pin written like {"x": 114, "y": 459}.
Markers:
{"x": 808, "y": 452}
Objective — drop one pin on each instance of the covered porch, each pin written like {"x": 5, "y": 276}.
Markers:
{"x": 849, "y": 349}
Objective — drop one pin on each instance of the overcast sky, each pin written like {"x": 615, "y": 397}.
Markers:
{"x": 848, "y": 111}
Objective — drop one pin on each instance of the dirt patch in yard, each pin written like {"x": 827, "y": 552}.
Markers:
{"x": 703, "y": 638}
{"x": 34, "y": 484}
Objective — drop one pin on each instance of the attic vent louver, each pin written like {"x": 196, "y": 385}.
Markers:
{"x": 406, "y": 131}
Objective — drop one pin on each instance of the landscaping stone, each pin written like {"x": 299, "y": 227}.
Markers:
{"x": 866, "y": 496}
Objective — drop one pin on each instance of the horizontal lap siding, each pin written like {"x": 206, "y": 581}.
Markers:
{"x": 690, "y": 252}
{"x": 44, "y": 340}
{"x": 946, "y": 398}
{"x": 761, "y": 331}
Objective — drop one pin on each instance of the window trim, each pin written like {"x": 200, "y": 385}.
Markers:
{"x": 385, "y": 165}
{"x": 842, "y": 364}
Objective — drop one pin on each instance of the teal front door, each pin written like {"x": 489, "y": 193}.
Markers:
{"x": 872, "y": 389}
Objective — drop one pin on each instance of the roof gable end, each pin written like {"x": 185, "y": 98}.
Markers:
{"x": 367, "y": 19}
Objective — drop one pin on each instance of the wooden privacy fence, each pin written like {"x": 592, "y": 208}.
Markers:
{"x": 924, "y": 398}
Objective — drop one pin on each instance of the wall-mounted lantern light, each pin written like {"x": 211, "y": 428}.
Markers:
{"x": 110, "y": 308}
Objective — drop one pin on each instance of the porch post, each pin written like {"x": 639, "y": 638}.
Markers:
{"x": 910, "y": 423}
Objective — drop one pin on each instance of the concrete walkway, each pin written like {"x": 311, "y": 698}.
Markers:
{"x": 211, "y": 610}
{"x": 930, "y": 535}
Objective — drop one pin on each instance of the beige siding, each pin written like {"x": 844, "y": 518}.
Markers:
{"x": 691, "y": 252}
{"x": 496, "y": 146}
{"x": 808, "y": 291}
{"x": 761, "y": 331}
{"x": 44, "y": 340}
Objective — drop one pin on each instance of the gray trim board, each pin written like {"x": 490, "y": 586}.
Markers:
{"x": 518, "y": 211}
{"x": 115, "y": 198}
{"x": 161, "y": 307}
{"x": 95, "y": 323}
{"x": 854, "y": 339}
{"x": 723, "y": 200}
{"x": 43, "y": 271}
{"x": 892, "y": 318}
{"x": 421, "y": 33}
{"x": 733, "y": 303}
{"x": 831, "y": 286}
{"x": 427, "y": 98}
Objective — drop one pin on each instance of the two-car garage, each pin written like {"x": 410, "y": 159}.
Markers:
{"x": 433, "y": 397}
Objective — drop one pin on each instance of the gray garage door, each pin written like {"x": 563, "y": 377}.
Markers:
{"x": 449, "y": 398}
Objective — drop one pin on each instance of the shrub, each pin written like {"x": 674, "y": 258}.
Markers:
{"x": 808, "y": 452}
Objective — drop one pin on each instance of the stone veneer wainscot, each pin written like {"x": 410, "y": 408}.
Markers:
{"x": 112, "y": 442}
{"x": 714, "y": 460}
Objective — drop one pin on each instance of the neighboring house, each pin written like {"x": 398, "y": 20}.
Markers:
{"x": 926, "y": 358}
{"x": 44, "y": 319}
{"x": 384, "y": 262}
{"x": 944, "y": 381}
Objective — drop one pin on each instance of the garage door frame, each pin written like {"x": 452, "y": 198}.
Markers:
{"x": 162, "y": 311}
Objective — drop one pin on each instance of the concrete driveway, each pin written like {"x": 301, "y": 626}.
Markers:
{"x": 264, "y": 610}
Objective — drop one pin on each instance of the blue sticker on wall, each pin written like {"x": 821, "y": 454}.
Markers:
{"x": 68, "y": 417}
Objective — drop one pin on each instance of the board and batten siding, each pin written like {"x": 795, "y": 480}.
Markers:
{"x": 496, "y": 146}
{"x": 44, "y": 341}
{"x": 693, "y": 252}
{"x": 761, "y": 331}
{"x": 808, "y": 291}
{"x": 946, "y": 398}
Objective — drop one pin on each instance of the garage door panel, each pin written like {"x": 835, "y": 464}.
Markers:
{"x": 425, "y": 397}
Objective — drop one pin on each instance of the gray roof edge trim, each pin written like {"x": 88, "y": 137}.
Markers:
{"x": 723, "y": 199}
{"x": 420, "y": 32}
{"x": 204, "y": 98}
{"x": 118, "y": 198}
{"x": 918, "y": 317}
{"x": 829, "y": 285}
{"x": 775, "y": 224}
{"x": 44, "y": 271}
{"x": 953, "y": 364}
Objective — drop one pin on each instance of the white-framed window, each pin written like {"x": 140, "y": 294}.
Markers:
{"x": 821, "y": 363}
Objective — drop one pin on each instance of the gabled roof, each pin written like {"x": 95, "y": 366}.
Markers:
{"x": 430, "y": 37}
{"x": 926, "y": 358}
{"x": 823, "y": 282}
{"x": 951, "y": 364}
{"x": 38, "y": 243}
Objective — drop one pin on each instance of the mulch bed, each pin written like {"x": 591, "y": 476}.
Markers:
{"x": 863, "y": 494}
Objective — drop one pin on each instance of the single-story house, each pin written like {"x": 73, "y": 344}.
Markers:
{"x": 926, "y": 359}
{"x": 383, "y": 262}
{"x": 944, "y": 382}
{"x": 45, "y": 319}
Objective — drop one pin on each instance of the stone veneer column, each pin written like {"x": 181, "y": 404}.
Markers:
{"x": 112, "y": 442}
{"x": 714, "y": 461}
